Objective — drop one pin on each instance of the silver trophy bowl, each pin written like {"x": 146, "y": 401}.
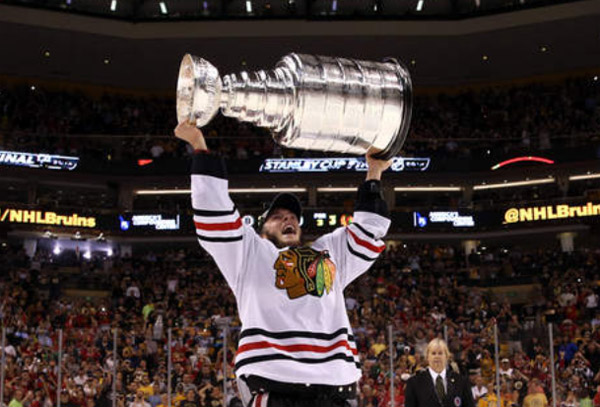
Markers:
{"x": 308, "y": 102}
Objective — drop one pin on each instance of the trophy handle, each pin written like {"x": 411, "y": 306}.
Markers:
{"x": 404, "y": 78}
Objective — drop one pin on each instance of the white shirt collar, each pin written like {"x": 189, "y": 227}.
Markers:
{"x": 434, "y": 375}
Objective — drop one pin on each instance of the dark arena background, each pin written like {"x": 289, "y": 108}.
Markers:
{"x": 106, "y": 299}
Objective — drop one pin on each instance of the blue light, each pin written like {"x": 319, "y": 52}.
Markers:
{"x": 123, "y": 224}
{"x": 420, "y": 220}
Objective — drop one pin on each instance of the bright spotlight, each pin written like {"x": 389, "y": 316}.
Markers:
{"x": 163, "y": 7}
{"x": 56, "y": 250}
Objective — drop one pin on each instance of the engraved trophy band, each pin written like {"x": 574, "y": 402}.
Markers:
{"x": 307, "y": 102}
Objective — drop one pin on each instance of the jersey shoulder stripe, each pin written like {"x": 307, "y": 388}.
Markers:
{"x": 208, "y": 213}
{"x": 359, "y": 255}
{"x": 219, "y": 226}
{"x": 365, "y": 243}
{"x": 226, "y": 239}
{"x": 362, "y": 229}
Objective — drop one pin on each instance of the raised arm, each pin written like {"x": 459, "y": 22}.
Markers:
{"x": 358, "y": 245}
{"x": 219, "y": 227}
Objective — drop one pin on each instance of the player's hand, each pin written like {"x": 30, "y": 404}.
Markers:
{"x": 375, "y": 166}
{"x": 191, "y": 134}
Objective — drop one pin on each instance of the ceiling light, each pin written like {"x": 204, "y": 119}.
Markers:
{"x": 248, "y": 7}
{"x": 337, "y": 189}
{"x": 264, "y": 190}
{"x": 485, "y": 57}
{"x": 584, "y": 177}
{"x": 113, "y": 5}
{"x": 231, "y": 191}
{"x": 163, "y": 192}
{"x": 420, "y": 5}
{"x": 163, "y": 7}
{"x": 543, "y": 48}
{"x": 548, "y": 180}
{"x": 106, "y": 61}
{"x": 430, "y": 188}
{"x": 47, "y": 54}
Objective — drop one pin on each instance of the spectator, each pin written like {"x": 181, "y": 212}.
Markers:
{"x": 478, "y": 389}
{"x": 535, "y": 396}
{"x": 139, "y": 400}
{"x": 190, "y": 399}
{"x": 597, "y": 397}
{"x": 18, "y": 400}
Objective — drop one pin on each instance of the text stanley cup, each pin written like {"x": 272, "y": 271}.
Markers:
{"x": 308, "y": 102}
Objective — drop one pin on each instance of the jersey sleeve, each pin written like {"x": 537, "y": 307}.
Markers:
{"x": 357, "y": 246}
{"x": 219, "y": 227}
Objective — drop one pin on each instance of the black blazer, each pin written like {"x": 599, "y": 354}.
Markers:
{"x": 420, "y": 391}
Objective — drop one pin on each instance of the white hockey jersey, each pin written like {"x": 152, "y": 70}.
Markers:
{"x": 295, "y": 328}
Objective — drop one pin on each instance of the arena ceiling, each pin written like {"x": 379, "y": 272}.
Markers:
{"x": 202, "y": 10}
{"x": 38, "y": 43}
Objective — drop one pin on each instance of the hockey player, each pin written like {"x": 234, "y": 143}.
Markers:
{"x": 296, "y": 345}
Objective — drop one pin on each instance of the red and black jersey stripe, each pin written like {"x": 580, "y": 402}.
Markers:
{"x": 266, "y": 341}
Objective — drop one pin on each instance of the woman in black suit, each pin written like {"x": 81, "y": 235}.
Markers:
{"x": 438, "y": 386}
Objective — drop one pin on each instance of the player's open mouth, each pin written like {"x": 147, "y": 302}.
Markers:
{"x": 289, "y": 230}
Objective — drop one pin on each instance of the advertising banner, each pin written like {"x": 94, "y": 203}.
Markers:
{"x": 37, "y": 217}
{"x": 551, "y": 212}
{"x": 341, "y": 164}
{"x": 32, "y": 160}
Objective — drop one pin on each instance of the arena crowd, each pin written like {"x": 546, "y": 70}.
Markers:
{"x": 422, "y": 291}
{"x": 457, "y": 123}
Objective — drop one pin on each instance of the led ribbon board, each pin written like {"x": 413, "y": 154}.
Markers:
{"x": 521, "y": 159}
{"x": 35, "y": 217}
{"x": 341, "y": 164}
{"x": 551, "y": 212}
{"x": 324, "y": 219}
{"x": 31, "y": 160}
{"x": 153, "y": 221}
{"x": 457, "y": 220}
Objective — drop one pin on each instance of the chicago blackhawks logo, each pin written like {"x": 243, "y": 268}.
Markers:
{"x": 303, "y": 270}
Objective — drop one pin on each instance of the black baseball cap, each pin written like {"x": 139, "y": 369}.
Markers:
{"x": 285, "y": 201}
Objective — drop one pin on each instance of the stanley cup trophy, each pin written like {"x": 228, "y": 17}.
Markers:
{"x": 308, "y": 102}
